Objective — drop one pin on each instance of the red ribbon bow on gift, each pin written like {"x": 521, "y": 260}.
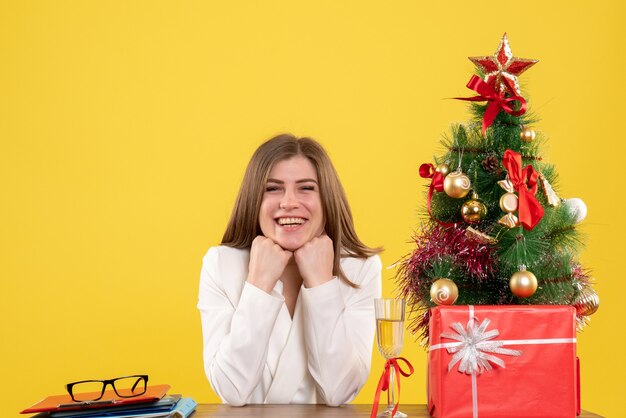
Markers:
{"x": 383, "y": 383}
{"x": 525, "y": 182}
{"x": 497, "y": 101}
{"x": 427, "y": 171}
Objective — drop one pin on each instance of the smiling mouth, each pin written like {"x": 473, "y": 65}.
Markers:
{"x": 294, "y": 221}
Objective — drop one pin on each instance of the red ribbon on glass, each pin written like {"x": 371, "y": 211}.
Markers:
{"x": 428, "y": 171}
{"x": 525, "y": 182}
{"x": 497, "y": 101}
{"x": 383, "y": 383}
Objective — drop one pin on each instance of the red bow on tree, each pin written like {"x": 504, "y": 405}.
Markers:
{"x": 497, "y": 101}
{"x": 525, "y": 183}
{"x": 383, "y": 383}
{"x": 428, "y": 171}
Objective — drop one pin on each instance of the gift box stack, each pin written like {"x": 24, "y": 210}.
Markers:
{"x": 494, "y": 285}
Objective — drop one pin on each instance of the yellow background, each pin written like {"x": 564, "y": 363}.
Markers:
{"x": 125, "y": 127}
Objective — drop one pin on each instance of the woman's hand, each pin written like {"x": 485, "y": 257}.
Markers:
{"x": 315, "y": 261}
{"x": 267, "y": 262}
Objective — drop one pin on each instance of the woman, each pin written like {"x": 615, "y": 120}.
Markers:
{"x": 287, "y": 300}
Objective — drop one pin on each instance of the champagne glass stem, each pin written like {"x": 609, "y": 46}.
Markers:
{"x": 391, "y": 402}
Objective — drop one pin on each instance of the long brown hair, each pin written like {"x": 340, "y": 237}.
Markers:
{"x": 243, "y": 225}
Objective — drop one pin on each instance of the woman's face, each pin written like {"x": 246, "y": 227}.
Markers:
{"x": 291, "y": 211}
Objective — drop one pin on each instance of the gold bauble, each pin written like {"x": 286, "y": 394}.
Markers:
{"x": 523, "y": 283}
{"x": 444, "y": 292}
{"x": 456, "y": 185}
{"x": 443, "y": 169}
{"x": 527, "y": 135}
{"x": 587, "y": 302}
{"x": 473, "y": 211}
{"x": 508, "y": 202}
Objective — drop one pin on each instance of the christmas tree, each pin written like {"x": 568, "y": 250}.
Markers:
{"x": 496, "y": 232}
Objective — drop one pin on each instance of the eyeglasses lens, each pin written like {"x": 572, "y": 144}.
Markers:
{"x": 128, "y": 387}
{"x": 87, "y": 391}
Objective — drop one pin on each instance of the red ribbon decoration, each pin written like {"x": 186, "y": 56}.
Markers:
{"x": 525, "y": 182}
{"x": 497, "y": 101}
{"x": 383, "y": 383}
{"x": 428, "y": 171}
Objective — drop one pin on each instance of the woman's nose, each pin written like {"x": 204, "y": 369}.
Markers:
{"x": 289, "y": 201}
{"x": 289, "y": 205}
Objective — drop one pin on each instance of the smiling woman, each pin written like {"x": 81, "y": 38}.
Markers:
{"x": 287, "y": 300}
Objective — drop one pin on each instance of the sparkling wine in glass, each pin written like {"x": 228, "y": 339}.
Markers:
{"x": 390, "y": 337}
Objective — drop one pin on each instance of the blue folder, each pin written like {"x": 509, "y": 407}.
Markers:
{"x": 168, "y": 407}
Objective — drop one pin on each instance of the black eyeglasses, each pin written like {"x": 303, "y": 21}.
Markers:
{"x": 92, "y": 390}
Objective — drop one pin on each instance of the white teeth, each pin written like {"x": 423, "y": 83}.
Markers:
{"x": 290, "y": 221}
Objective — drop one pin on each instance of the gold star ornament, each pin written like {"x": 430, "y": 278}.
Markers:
{"x": 502, "y": 68}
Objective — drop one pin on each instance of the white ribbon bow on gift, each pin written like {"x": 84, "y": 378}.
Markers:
{"x": 474, "y": 347}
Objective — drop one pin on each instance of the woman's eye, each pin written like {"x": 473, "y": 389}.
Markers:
{"x": 271, "y": 188}
{"x": 311, "y": 188}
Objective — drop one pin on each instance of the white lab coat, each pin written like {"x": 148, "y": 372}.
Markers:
{"x": 255, "y": 353}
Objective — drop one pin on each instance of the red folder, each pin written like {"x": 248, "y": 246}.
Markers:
{"x": 65, "y": 403}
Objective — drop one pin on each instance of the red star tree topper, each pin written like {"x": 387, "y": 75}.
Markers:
{"x": 502, "y": 68}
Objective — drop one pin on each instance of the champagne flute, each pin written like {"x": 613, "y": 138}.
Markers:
{"x": 390, "y": 337}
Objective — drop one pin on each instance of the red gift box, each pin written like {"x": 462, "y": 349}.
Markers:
{"x": 502, "y": 362}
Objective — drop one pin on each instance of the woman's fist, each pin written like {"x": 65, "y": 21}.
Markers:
{"x": 315, "y": 261}
{"x": 267, "y": 263}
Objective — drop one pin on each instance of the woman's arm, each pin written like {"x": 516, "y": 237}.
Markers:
{"x": 339, "y": 330}
{"x": 236, "y": 338}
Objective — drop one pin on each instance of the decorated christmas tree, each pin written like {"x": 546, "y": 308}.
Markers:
{"x": 496, "y": 231}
